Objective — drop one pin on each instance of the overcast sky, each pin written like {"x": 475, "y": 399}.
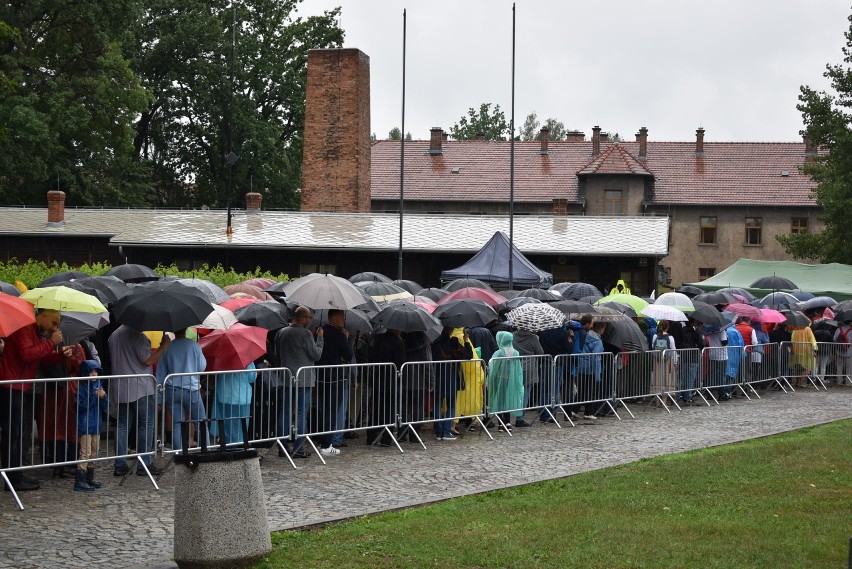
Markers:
{"x": 733, "y": 67}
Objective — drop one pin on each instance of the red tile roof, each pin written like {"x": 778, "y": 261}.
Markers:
{"x": 729, "y": 173}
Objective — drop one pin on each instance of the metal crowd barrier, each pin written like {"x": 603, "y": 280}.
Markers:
{"x": 42, "y": 421}
{"x": 834, "y": 362}
{"x": 590, "y": 383}
{"x": 799, "y": 364}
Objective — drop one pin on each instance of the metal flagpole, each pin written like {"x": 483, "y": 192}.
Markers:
{"x": 402, "y": 152}
{"x": 231, "y": 158}
{"x": 512, "y": 162}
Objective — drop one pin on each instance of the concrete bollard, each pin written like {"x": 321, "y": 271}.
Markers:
{"x": 220, "y": 510}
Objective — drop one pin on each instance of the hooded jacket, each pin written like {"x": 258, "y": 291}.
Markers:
{"x": 90, "y": 407}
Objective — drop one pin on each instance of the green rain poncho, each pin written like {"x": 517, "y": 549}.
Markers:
{"x": 505, "y": 383}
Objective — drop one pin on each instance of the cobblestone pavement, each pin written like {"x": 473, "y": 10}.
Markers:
{"x": 131, "y": 526}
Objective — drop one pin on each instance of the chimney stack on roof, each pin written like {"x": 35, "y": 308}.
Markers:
{"x": 480, "y": 135}
{"x": 810, "y": 151}
{"x": 642, "y": 139}
{"x": 55, "y": 209}
{"x": 596, "y": 140}
{"x": 575, "y": 136}
{"x": 544, "y": 137}
{"x": 435, "y": 141}
{"x": 253, "y": 200}
{"x": 699, "y": 142}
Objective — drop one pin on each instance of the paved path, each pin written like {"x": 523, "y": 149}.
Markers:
{"x": 131, "y": 526}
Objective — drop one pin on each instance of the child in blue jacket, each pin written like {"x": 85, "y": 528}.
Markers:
{"x": 91, "y": 402}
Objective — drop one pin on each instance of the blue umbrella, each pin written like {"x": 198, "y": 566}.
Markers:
{"x": 818, "y": 302}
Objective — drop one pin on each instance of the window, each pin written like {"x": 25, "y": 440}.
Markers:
{"x": 707, "y": 233}
{"x": 308, "y": 268}
{"x": 613, "y": 202}
{"x": 798, "y": 225}
{"x": 754, "y": 231}
{"x": 706, "y": 272}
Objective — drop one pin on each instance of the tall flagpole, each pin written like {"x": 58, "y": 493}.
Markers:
{"x": 512, "y": 163}
{"x": 402, "y": 152}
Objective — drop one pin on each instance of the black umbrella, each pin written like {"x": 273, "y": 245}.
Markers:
{"x": 269, "y": 314}
{"x": 133, "y": 273}
{"x": 717, "y": 297}
{"x": 625, "y": 309}
{"x": 410, "y": 286}
{"x": 706, "y": 314}
{"x": 559, "y": 288}
{"x": 356, "y": 321}
{"x": 62, "y": 277}
{"x": 516, "y": 302}
{"x": 625, "y": 334}
{"x": 796, "y": 318}
{"x": 106, "y": 289}
{"x": 465, "y": 313}
{"x": 778, "y": 301}
{"x": 740, "y": 291}
{"x": 539, "y": 294}
{"x": 574, "y": 306}
{"x": 843, "y": 305}
{"x": 843, "y": 315}
{"x": 510, "y": 294}
{"x": 212, "y": 291}
{"x": 167, "y": 306}
{"x": 9, "y": 289}
{"x": 591, "y": 299}
{"x": 689, "y": 290}
{"x": 455, "y": 285}
{"x": 369, "y": 276}
{"x": 435, "y": 294}
{"x": 78, "y": 325}
{"x": 383, "y": 292}
{"x": 577, "y": 291}
{"x": 818, "y": 302}
{"x": 775, "y": 283}
{"x": 405, "y": 316}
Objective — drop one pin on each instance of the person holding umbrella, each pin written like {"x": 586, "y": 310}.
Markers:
{"x": 183, "y": 393}
{"x": 297, "y": 348}
{"x": 333, "y": 383}
{"x": 446, "y": 350}
{"x": 844, "y": 353}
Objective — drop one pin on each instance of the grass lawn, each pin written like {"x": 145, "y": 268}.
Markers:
{"x": 782, "y": 501}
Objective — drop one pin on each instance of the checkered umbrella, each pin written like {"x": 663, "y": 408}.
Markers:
{"x": 576, "y": 291}
{"x": 536, "y": 317}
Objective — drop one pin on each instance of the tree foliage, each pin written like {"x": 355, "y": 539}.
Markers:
{"x": 67, "y": 99}
{"x": 217, "y": 88}
{"x": 491, "y": 123}
{"x": 827, "y": 120}
{"x": 396, "y": 134}
{"x": 530, "y": 129}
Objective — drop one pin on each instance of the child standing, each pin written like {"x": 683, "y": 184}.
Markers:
{"x": 91, "y": 402}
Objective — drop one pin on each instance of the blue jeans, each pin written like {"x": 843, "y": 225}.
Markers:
{"x": 303, "y": 409}
{"x": 186, "y": 406}
{"x": 140, "y": 413}
{"x": 687, "y": 379}
{"x": 342, "y": 413}
{"x": 550, "y": 392}
{"x": 444, "y": 390}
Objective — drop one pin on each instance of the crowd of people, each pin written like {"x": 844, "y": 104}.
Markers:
{"x": 445, "y": 382}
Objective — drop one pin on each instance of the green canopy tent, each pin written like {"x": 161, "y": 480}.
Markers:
{"x": 834, "y": 279}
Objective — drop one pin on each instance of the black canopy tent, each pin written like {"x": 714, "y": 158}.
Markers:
{"x": 491, "y": 265}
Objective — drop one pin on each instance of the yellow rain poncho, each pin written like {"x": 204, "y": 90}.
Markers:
{"x": 470, "y": 400}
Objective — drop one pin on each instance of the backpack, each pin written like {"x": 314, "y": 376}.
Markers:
{"x": 662, "y": 342}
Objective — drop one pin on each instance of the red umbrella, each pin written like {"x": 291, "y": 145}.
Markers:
{"x": 741, "y": 309}
{"x": 15, "y": 313}
{"x": 234, "y": 348}
{"x": 489, "y": 297}
{"x": 235, "y": 303}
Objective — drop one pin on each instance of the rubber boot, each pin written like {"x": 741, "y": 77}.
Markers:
{"x": 90, "y": 478}
{"x": 80, "y": 484}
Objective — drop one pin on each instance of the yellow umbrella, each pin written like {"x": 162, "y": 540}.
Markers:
{"x": 63, "y": 298}
{"x": 21, "y": 286}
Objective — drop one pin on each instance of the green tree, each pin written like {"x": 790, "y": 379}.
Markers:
{"x": 206, "y": 103}
{"x": 827, "y": 124}
{"x": 67, "y": 100}
{"x": 492, "y": 124}
{"x": 530, "y": 129}
{"x": 396, "y": 134}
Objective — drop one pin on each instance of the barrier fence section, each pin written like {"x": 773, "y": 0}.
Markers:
{"x": 834, "y": 363}
{"x": 71, "y": 424}
{"x": 349, "y": 398}
{"x": 590, "y": 382}
{"x": 799, "y": 364}
{"x": 518, "y": 384}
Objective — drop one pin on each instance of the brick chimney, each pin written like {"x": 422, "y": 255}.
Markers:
{"x": 253, "y": 200}
{"x": 55, "y": 209}
{"x": 810, "y": 151}
{"x": 575, "y": 136}
{"x": 560, "y": 206}
{"x": 435, "y": 141}
{"x": 642, "y": 139}
{"x": 699, "y": 142}
{"x": 480, "y": 135}
{"x": 596, "y": 140}
{"x": 543, "y": 137}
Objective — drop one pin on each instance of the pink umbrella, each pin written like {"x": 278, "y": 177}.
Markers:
{"x": 741, "y": 309}
{"x": 235, "y": 303}
{"x": 770, "y": 316}
{"x": 489, "y": 297}
{"x": 260, "y": 282}
{"x": 248, "y": 289}
{"x": 740, "y": 297}
{"x": 424, "y": 300}
{"x": 430, "y": 308}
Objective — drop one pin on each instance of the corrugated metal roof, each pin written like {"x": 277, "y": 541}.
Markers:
{"x": 563, "y": 235}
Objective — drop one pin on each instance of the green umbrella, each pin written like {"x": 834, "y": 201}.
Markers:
{"x": 634, "y": 302}
{"x": 63, "y": 298}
